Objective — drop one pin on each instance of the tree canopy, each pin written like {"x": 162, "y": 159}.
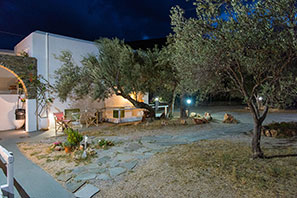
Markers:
{"x": 245, "y": 47}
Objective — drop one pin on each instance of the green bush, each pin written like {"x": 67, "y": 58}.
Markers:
{"x": 74, "y": 137}
{"x": 67, "y": 144}
{"x": 102, "y": 143}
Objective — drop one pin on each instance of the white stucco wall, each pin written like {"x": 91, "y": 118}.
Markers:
{"x": 31, "y": 121}
{"x": 8, "y": 105}
{"x": 44, "y": 46}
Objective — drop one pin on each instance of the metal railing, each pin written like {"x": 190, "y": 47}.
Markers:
{"x": 6, "y": 164}
{"x": 8, "y": 189}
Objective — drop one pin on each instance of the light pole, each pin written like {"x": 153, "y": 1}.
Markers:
{"x": 157, "y": 104}
{"x": 189, "y": 102}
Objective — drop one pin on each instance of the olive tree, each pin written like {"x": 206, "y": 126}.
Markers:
{"x": 248, "y": 47}
{"x": 116, "y": 69}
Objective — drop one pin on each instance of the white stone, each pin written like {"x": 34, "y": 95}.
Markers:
{"x": 87, "y": 191}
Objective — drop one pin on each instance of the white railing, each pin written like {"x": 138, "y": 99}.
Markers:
{"x": 8, "y": 189}
{"x": 160, "y": 107}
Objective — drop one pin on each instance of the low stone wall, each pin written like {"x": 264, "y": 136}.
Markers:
{"x": 24, "y": 67}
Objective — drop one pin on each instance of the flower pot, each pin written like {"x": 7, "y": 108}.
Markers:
{"x": 20, "y": 114}
{"x": 18, "y": 123}
{"x": 67, "y": 149}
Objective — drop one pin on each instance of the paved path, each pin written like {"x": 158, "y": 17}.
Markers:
{"x": 36, "y": 182}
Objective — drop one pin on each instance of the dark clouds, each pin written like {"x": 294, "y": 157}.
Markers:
{"x": 86, "y": 19}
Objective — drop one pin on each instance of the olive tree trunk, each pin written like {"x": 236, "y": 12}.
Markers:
{"x": 142, "y": 105}
{"x": 171, "y": 109}
{"x": 183, "y": 113}
{"x": 256, "y": 147}
{"x": 258, "y": 121}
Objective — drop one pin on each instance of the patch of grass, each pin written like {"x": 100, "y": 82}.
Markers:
{"x": 233, "y": 162}
{"x": 39, "y": 157}
{"x": 60, "y": 172}
{"x": 134, "y": 127}
{"x": 27, "y": 148}
{"x": 59, "y": 157}
{"x": 48, "y": 160}
{"x": 35, "y": 153}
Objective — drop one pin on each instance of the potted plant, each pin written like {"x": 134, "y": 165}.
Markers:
{"x": 67, "y": 147}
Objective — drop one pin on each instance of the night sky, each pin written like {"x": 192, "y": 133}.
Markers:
{"x": 86, "y": 19}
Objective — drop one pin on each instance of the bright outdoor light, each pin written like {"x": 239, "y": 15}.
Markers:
{"x": 189, "y": 101}
{"x": 156, "y": 99}
{"x": 260, "y": 98}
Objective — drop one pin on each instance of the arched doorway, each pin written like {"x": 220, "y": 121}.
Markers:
{"x": 17, "y": 73}
{"x": 12, "y": 98}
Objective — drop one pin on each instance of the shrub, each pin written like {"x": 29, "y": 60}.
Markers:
{"x": 67, "y": 144}
{"x": 74, "y": 137}
{"x": 104, "y": 143}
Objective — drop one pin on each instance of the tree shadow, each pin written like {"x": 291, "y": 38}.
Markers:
{"x": 280, "y": 156}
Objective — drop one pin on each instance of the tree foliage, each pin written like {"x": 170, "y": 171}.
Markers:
{"x": 245, "y": 47}
{"x": 117, "y": 69}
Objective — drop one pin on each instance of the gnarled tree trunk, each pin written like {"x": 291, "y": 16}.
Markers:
{"x": 256, "y": 147}
{"x": 138, "y": 104}
{"x": 171, "y": 109}
{"x": 183, "y": 113}
{"x": 258, "y": 120}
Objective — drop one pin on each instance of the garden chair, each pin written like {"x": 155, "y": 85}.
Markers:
{"x": 60, "y": 122}
{"x": 74, "y": 115}
{"x": 93, "y": 118}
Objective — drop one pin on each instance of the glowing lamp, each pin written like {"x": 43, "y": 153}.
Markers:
{"x": 189, "y": 101}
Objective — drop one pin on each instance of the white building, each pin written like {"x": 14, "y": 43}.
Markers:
{"x": 44, "y": 46}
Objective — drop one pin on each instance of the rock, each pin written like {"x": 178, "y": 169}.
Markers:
{"x": 207, "y": 116}
{"x": 132, "y": 147}
{"x": 114, "y": 163}
{"x": 72, "y": 185}
{"x": 193, "y": 114}
{"x": 78, "y": 170}
{"x": 267, "y": 133}
{"x": 164, "y": 123}
{"x": 124, "y": 157}
{"x": 183, "y": 122}
{"x": 103, "y": 177}
{"x": 200, "y": 120}
{"x": 130, "y": 165}
{"x": 58, "y": 148}
{"x": 273, "y": 132}
{"x": 77, "y": 155}
{"x": 85, "y": 176}
{"x": 87, "y": 191}
{"x": 64, "y": 178}
{"x": 116, "y": 171}
{"x": 90, "y": 151}
{"x": 103, "y": 160}
{"x": 228, "y": 118}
